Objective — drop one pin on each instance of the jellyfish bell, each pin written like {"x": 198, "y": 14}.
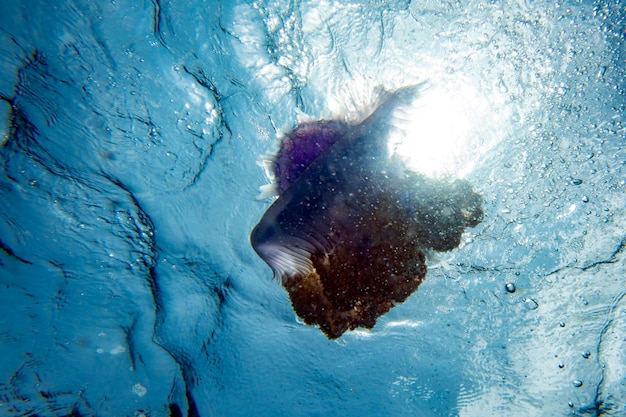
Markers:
{"x": 347, "y": 234}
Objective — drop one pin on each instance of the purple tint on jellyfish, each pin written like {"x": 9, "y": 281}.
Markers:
{"x": 302, "y": 146}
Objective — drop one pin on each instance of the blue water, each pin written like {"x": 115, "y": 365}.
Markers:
{"x": 129, "y": 139}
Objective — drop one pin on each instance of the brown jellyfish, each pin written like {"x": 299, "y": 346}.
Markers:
{"x": 347, "y": 235}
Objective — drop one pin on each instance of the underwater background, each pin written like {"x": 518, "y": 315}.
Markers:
{"x": 130, "y": 133}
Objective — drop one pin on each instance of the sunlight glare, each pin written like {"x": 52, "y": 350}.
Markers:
{"x": 442, "y": 133}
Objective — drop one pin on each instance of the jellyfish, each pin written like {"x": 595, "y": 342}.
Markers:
{"x": 348, "y": 235}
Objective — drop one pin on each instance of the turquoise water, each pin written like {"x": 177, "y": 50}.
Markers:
{"x": 129, "y": 139}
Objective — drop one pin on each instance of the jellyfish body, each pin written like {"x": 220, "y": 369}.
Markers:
{"x": 346, "y": 236}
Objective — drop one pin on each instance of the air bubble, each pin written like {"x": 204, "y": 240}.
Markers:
{"x": 577, "y": 383}
{"x": 562, "y": 323}
{"x": 585, "y": 199}
{"x": 561, "y": 365}
{"x": 586, "y": 354}
{"x": 530, "y": 304}
{"x": 139, "y": 390}
{"x": 510, "y": 287}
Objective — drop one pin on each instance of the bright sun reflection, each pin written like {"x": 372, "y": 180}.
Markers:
{"x": 446, "y": 130}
